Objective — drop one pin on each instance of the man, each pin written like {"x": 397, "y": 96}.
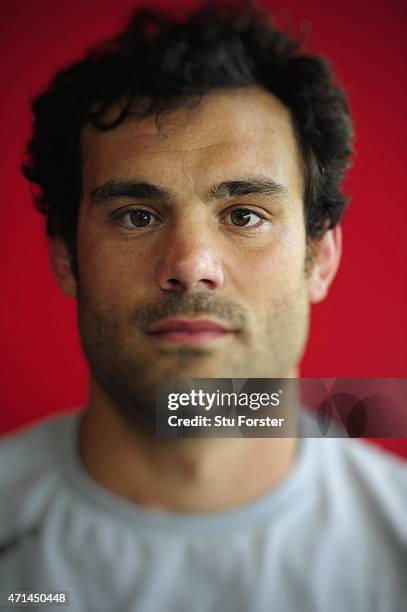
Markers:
{"x": 190, "y": 173}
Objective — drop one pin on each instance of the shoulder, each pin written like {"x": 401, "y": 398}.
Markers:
{"x": 359, "y": 476}
{"x": 30, "y": 461}
{"x": 368, "y": 464}
{"x": 29, "y": 448}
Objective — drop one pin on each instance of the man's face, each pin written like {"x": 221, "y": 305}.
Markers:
{"x": 216, "y": 231}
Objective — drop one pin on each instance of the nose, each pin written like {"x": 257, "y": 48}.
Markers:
{"x": 190, "y": 261}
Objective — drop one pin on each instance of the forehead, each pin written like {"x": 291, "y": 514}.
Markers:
{"x": 229, "y": 133}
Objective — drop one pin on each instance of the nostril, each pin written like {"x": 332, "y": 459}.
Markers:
{"x": 173, "y": 283}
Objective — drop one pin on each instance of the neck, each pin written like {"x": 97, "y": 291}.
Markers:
{"x": 183, "y": 475}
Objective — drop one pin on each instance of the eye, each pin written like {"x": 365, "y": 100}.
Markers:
{"x": 241, "y": 217}
{"x": 135, "y": 218}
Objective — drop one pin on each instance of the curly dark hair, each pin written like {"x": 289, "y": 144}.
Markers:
{"x": 170, "y": 62}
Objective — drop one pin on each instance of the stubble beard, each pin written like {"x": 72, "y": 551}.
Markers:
{"x": 128, "y": 377}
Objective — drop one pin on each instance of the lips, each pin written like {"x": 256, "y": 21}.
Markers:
{"x": 188, "y": 330}
{"x": 188, "y": 325}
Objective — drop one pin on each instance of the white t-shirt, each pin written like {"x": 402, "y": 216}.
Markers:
{"x": 331, "y": 538}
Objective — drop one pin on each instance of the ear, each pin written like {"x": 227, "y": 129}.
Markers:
{"x": 61, "y": 266}
{"x": 327, "y": 256}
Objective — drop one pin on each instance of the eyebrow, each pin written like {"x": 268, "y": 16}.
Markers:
{"x": 226, "y": 189}
{"x": 129, "y": 189}
{"x": 251, "y": 186}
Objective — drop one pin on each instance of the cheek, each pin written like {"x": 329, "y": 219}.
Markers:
{"x": 271, "y": 268}
{"x": 114, "y": 273}
{"x": 106, "y": 263}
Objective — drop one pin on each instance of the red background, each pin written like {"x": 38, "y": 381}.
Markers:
{"x": 359, "y": 331}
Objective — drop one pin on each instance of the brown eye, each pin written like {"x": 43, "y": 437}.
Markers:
{"x": 140, "y": 218}
{"x": 244, "y": 217}
{"x": 136, "y": 218}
